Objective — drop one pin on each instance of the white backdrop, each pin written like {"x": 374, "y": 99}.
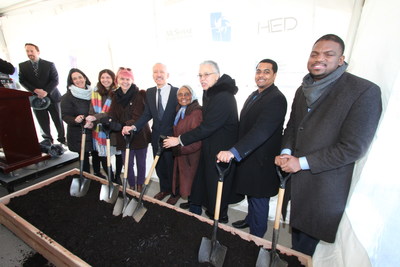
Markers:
{"x": 93, "y": 35}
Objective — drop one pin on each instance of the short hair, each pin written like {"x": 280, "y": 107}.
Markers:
{"x": 273, "y": 63}
{"x": 194, "y": 97}
{"x": 212, "y": 63}
{"x": 334, "y": 38}
{"x": 100, "y": 88}
{"x": 69, "y": 80}
{"x": 36, "y": 47}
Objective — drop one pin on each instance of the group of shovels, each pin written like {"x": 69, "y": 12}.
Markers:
{"x": 211, "y": 250}
{"x": 109, "y": 192}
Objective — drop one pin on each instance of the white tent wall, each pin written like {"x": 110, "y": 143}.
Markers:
{"x": 93, "y": 35}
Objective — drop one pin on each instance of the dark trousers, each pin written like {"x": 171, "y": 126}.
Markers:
{"x": 257, "y": 216}
{"x": 164, "y": 169}
{"x": 44, "y": 121}
{"x": 86, "y": 163}
{"x": 140, "y": 155}
{"x": 96, "y": 160}
{"x": 303, "y": 243}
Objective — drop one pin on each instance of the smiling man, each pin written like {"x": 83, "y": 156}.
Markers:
{"x": 333, "y": 120}
{"x": 260, "y": 135}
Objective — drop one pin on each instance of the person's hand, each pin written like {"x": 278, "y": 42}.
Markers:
{"x": 88, "y": 125}
{"x": 40, "y": 92}
{"x": 79, "y": 119}
{"x": 127, "y": 130}
{"x": 288, "y": 163}
{"x": 170, "y": 141}
{"x": 90, "y": 118}
{"x": 225, "y": 156}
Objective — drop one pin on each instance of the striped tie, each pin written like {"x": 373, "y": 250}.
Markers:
{"x": 35, "y": 69}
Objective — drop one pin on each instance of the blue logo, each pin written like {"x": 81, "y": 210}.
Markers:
{"x": 220, "y": 28}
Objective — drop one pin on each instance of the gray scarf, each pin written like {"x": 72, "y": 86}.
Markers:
{"x": 313, "y": 90}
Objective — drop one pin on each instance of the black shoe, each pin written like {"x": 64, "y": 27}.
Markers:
{"x": 241, "y": 224}
{"x": 223, "y": 219}
{"x": 184, "y": 205}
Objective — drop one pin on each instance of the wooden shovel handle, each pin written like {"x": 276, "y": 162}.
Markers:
{"x": 127, "y": 150}
{"x": 278, "y": 213}
{"x": 83, "y": 141}
{"x": 218, "y": 200}
{"x": 153, "y": 166}
{"x": 108, "y": 153}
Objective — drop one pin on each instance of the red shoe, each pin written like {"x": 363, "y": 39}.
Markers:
{"x": 173, "y": 199}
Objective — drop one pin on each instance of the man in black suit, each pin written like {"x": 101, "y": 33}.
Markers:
{"x": 260, "y": 136}
{"x": 41, "y": 78}
{"x": 163, "y": 115}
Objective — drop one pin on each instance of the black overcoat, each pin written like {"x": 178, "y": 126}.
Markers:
{"x": 218, "y": 131}
{"x": 336, "y": 132}
{"x": 260, "y": 136}
{"x": 71, "y": 107}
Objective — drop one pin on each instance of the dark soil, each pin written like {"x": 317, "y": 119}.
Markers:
{"x": 86, "y": 227}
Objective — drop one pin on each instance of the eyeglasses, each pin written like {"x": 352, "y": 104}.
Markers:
{"x": 205, "y": 75}
{"x": 184, "y": 94}
{"x": 122, "y": 68}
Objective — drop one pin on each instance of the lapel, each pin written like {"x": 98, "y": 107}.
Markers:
{"x": 263, "y": 95}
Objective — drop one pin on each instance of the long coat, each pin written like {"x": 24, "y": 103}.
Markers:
{"x": 260, "y": 136}
{"x": 218, "y": 132}
{"x": 127, "y": 116}
{"x": 71, "y": 107}
{"x": 335, "y": 133}
{"x": 187, "y": 157}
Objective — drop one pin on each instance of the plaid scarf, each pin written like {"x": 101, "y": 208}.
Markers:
{"x": 98, "y": 107}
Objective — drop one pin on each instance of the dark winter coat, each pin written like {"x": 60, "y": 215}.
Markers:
{"x": 335, "y": 133}
{"x": 260, "y": 136}
{"x": 218, "y": 132}
{"x": 187, "y": 157}
{"x": 127, "y": 115}
{"x": 71, "y": 107}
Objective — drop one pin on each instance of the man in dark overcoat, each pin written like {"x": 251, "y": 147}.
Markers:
{"x": 260, "y": 135}
{"x": 41, "y": 78}
{"x": 332, "y": 123}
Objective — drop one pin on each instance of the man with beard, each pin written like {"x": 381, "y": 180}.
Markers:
{"x": 333, "y": 120}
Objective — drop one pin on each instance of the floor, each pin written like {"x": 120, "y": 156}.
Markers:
{"x": 13, "y": 250}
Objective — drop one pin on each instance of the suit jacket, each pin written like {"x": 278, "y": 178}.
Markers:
{"x": 335, "y": 133}
{"x": 260, "y": 136}
{"x": 48, "y": 78}
{"x": 159, "y": 127}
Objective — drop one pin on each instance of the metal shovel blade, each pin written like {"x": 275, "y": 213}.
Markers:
{"x": 139, "y": 212}
{"x": 130, "y": 208}
{"x": 108, "y": 193}
{"x": 120, "y": 206}
{"x": 212, "y": 252}
{"x": 269, "y": 259}
{"x": 79, "y": 187}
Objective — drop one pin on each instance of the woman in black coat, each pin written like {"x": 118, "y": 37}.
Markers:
{"x": 218, "y": 131}
{"x": 75, "y": 104}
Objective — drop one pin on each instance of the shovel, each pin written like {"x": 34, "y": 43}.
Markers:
{"x": 122, "y": 203}
{"x": 108, "y": 193}
{"x": 271, "y": 259}
{"x": 138, "y": 209}
{"x": 80, "y": 185}
{"x": 211, "y": 250}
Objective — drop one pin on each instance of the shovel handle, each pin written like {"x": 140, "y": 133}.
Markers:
{"x": 151, "y": 171}
{"x": 278, "y": 212}
{"x": 218, "y": 200}
{"x": 83, "y": 141}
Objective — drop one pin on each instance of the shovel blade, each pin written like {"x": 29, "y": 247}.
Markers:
{"x": 130, "y": 208}
{"x": 79, "y": 187}
{"x": 118, "y": 207}
{"x": 212, "y": 252}
{"x": 139, "y": 212}
{"x": 108, "y": 194}
{"x": 269, "y": 259}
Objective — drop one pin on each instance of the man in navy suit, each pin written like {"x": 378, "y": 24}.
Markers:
{"x": 41, "y": 78}
{"x": 163, "y": 115}
{"x": 260, "y": 136}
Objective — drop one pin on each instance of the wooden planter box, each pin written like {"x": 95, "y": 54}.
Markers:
{"x": 60, "y": 256}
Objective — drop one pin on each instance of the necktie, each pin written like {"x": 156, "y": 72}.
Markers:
{"x": 35, "y": 69}
{"x": 159, "y": 105}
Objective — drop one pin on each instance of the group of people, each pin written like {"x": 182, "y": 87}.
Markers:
{"x": 333, "y": 119}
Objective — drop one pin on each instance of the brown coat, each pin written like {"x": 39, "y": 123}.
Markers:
{"x": 187, "y": 157}
{"x": 127, "y": 116}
